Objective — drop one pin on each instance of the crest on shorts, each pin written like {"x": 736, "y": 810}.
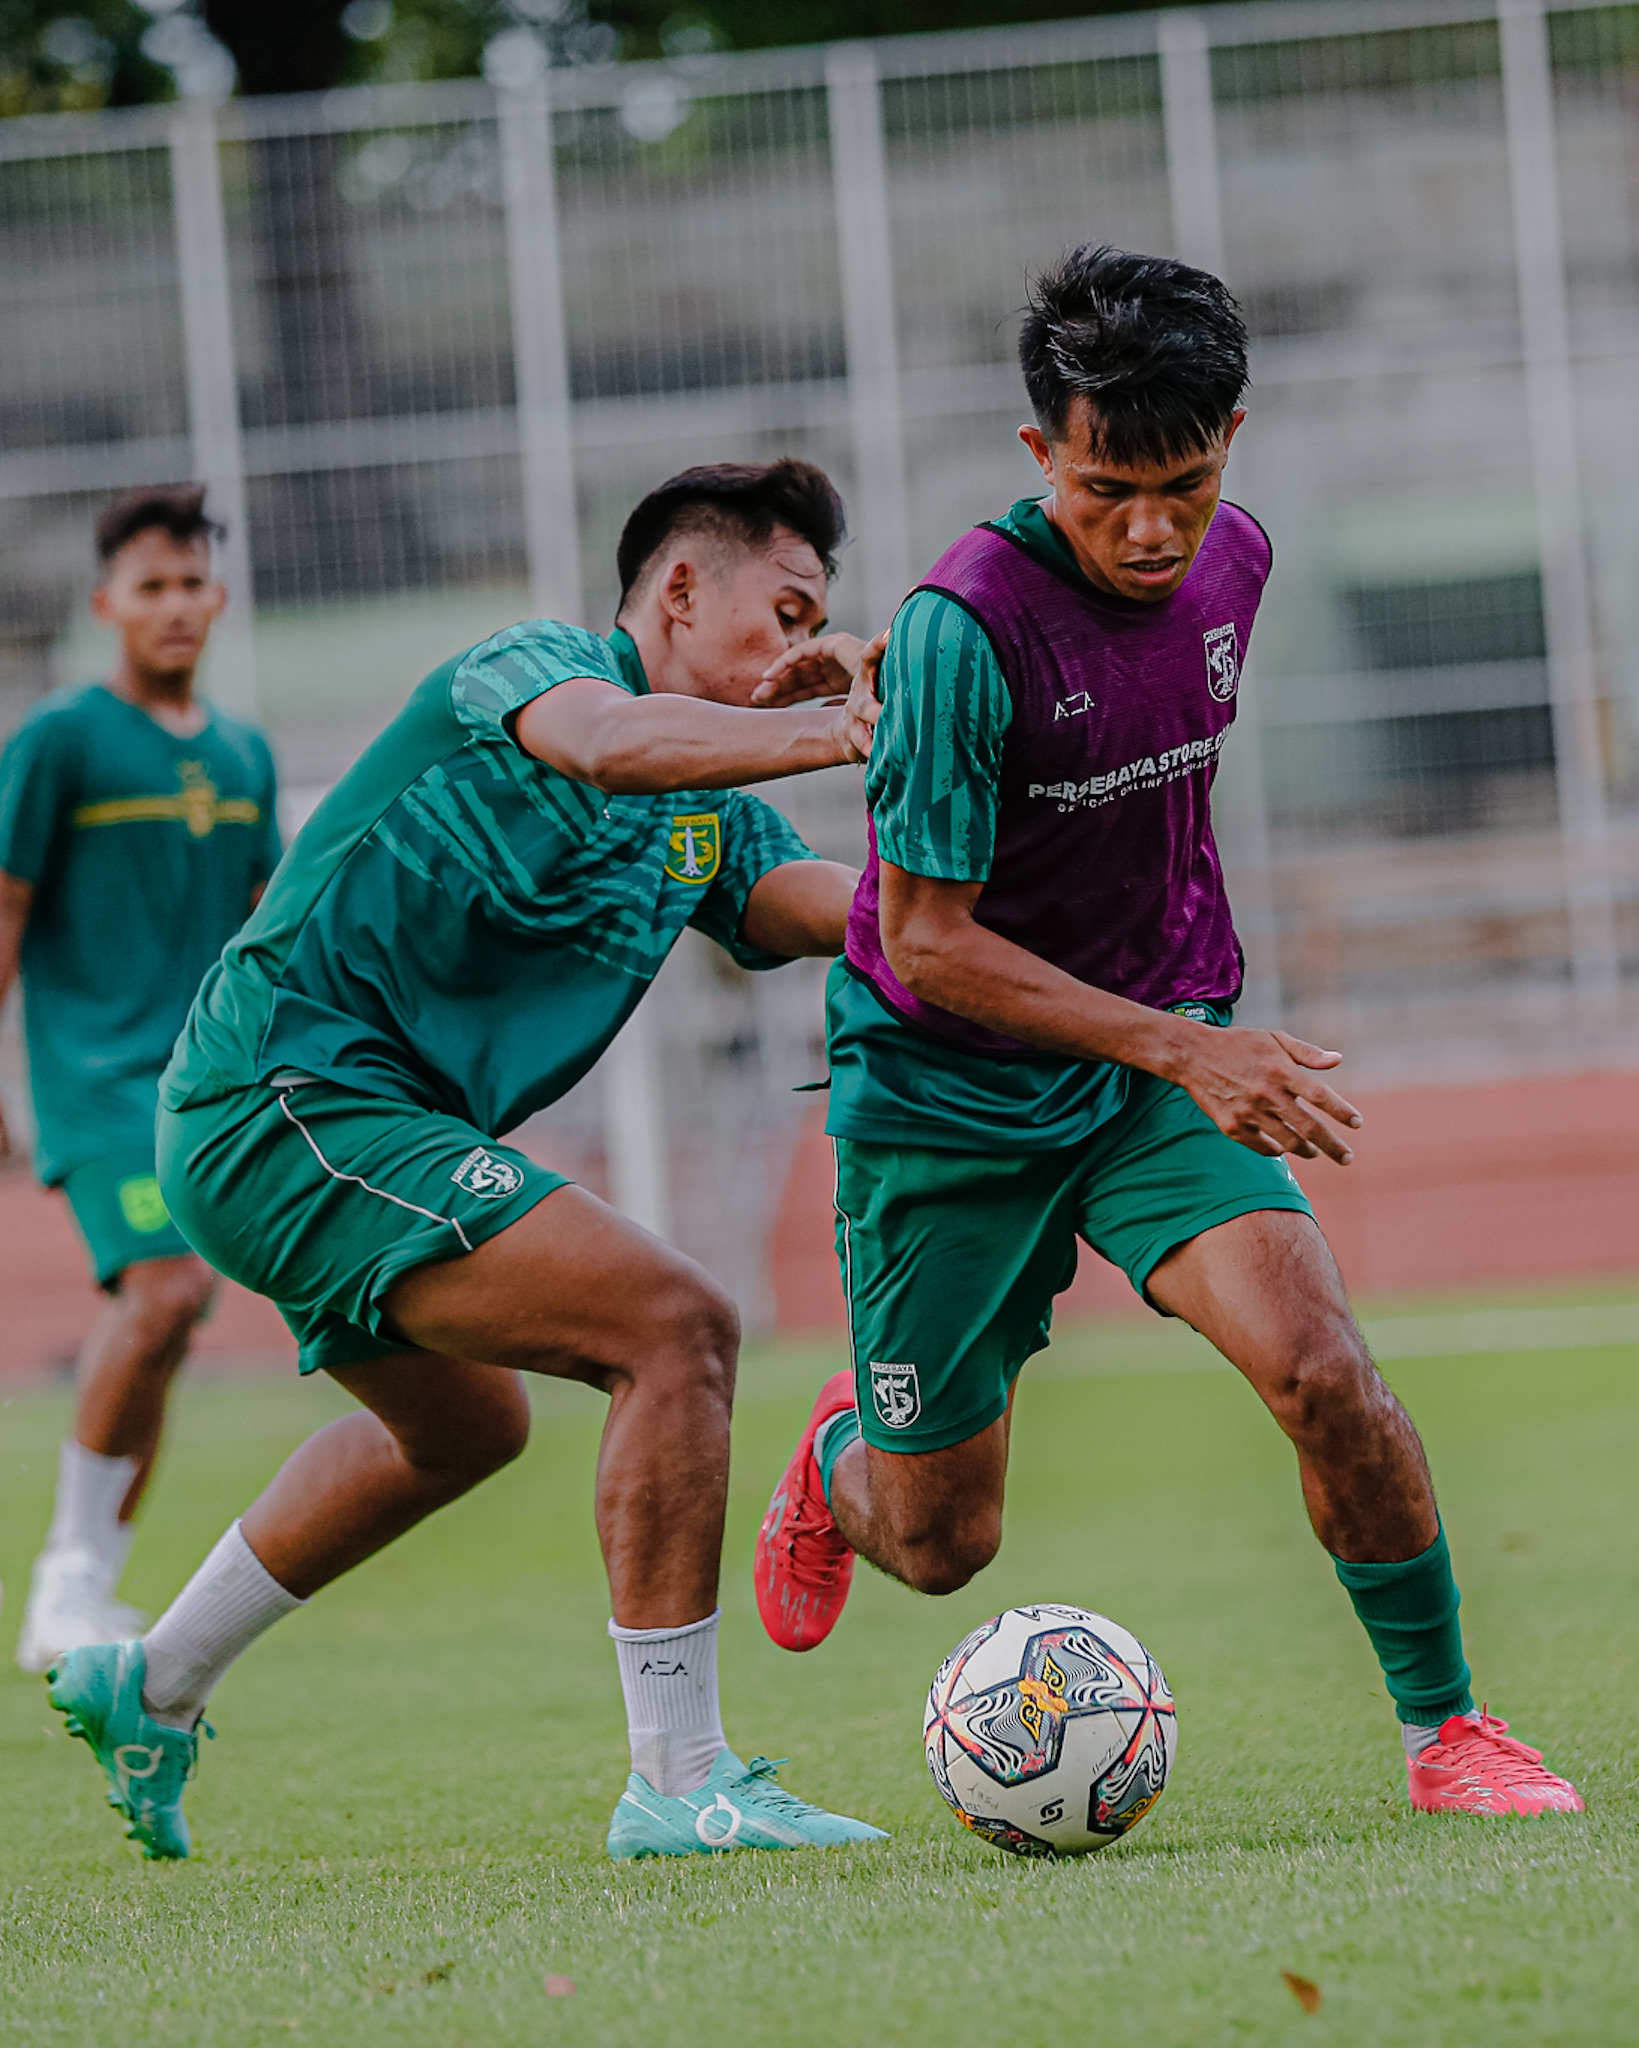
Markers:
{"x": 1223, "y": 661}
{"x": 895, "y": 1395}
{"x": 482, "y": 1174}
{"x": 694, "y": 850}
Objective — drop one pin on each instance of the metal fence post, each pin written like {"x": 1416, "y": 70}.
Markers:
{"x": 540, "y": 353}
{"x": 633, "y": 1093}
{"x": 1550, "y": 404}
{"x": 213, "y": 388}
{"x": 859, "y": 176}
{"x": 1189, "y": 128}
{"x": 634, "y": 1123}
{"x": 1240, "y": 807}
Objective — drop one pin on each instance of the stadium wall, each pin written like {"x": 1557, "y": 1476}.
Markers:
{"x": 1456, "y": 1188}
{"x": 1453, "y": 1188}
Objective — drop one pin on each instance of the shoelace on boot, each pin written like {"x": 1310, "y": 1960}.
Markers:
{"x": 1480, "y": 1741}
{"x": 823, "y": 1556}
{"x": 760, "y": 1776}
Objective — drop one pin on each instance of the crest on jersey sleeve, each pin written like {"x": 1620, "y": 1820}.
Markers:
{"x": 694, "y": 848}
{"x": 1223, "y": 661}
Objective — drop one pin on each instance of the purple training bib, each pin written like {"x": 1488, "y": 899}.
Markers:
{"x": 1104, "y": 861}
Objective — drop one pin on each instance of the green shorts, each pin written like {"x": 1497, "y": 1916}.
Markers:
{"x": 950, "y": 1260}
{"x": 320, "y": 1198}
{"x": 121, "y": 1213}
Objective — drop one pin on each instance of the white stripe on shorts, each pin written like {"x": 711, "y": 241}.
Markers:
{"x": 336, "y": 1174}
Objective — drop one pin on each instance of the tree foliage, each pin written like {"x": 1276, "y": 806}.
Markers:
{"x": 58, "y": 55}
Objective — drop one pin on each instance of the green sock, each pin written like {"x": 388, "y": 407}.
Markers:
{"x": 1410, "y": 1612}
{"x": 833, "y": 1439}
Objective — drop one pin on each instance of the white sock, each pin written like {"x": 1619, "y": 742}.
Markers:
{"x": 231, "y": 1600}
{"x": 1417, "y": 1737}
{"x": 669, "y": 1677}
{"x": 90, "y": 1489}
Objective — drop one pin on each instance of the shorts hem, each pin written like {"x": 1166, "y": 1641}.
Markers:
{"x": 476, "y": 1229}
{"x": 1139, "y": 1271}
{"x": 930, "y": 1438}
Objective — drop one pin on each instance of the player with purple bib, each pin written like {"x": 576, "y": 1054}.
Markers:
{"x": 1030, "y": 1034}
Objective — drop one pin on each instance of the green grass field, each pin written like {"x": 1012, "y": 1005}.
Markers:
{"x": 400, "y": 1828}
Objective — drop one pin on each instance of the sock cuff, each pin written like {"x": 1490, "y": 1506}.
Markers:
{"x": 834, "y": 1437}
{"x": 1433, "y": 1563}
{"x": 1433, "y": 1714}
{"x": 237, "y": 1541}
{"x": 664, "y": 1635}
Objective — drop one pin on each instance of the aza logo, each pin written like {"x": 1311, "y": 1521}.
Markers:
{"x": 482, "y": 1173}
{"x": 895, "y": 1394}
{"x": 1223, "y": 661}
{"x": 694, "y": 847}
{"x": 1041, "y": 1697}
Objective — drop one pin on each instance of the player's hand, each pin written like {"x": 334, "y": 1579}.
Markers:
{"x": 824, "y": 667}
{"x": 863, "y": 707}
{"x": 1261, "y": 1088}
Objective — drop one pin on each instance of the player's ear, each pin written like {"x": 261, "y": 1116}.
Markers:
{"x": 1036, "y": 441}
{"x": 680, "y": 592}
{"x": 218, "y": 596}
{"x": 100, "y": 609}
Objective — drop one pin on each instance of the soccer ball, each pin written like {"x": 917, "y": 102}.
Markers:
{"x": 1050, "y": 1731}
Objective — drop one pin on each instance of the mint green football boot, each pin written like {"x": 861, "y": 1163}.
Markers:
{"x": 98, "y": 1691}
{"x": 740, "y": 1806}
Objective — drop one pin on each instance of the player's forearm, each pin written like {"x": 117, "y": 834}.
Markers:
{"x": 647, "y": 745}
{"x": 800, "y": 909}
{"x": 975, "y": 973}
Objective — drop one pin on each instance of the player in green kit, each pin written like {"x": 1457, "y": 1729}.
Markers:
{"x": 463, "y": 926}
{"x": 1031, "y": 1036}
{"x": 136, "y": 829}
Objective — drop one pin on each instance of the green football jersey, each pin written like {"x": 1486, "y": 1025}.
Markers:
{"x": 144, "y": 851}
{"x": 934, "y": 786}
{"x": 461, "y": 926}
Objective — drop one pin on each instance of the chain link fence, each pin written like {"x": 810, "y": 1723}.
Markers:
{"x": 428, "y": 344}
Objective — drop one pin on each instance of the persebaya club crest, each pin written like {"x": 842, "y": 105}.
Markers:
{"x": 694, "y": 851}
{"x": 1223, "y": 661}
{"x": 895, "y": 1394}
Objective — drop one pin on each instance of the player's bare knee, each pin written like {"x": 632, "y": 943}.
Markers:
{"x": 469, "y": 1448}
{"x": 1330, "y": 1384}
{"x": 698, "y": 1333}
{"x": 164, "y": 1304}
{"x": 945, "y": 1561}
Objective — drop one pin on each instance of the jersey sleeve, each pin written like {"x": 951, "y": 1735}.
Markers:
{"x": 756, "y": 839}
{"x": 37, "y": 790}
{"x": 511, "y": 669}
{"x": 932, "y": 780}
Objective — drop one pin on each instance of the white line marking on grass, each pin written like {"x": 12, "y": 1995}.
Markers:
{"x": 1587, "y": 1328}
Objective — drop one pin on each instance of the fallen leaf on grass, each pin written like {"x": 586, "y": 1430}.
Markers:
{"x": 559, "y": 1987}
{"x": 1306, "y": 1993}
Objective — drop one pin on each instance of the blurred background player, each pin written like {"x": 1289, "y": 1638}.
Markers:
{"x": 137, "y": 828}
{"x": 465, "y": 923}
{"x": 1030, "y": 1036}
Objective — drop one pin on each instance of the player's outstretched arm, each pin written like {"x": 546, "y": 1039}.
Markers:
{"x": 642, "y": 746}
{"x": 16, "y": 901}
{"x": 800, "y": 909}
{"x": 1259, "y": 1087}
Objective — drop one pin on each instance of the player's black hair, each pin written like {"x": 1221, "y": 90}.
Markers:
{"x": 745, "y": 501}
{"x": 177, "y": 509}
{"x": 1157, "y": 348}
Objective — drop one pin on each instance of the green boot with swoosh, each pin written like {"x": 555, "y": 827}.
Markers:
{"x": 740, "y": 1806}
{"x": 98, "y": 1691}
